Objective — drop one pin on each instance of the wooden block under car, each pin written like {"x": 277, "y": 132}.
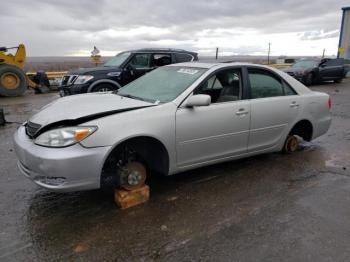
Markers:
{"x": 125, "y": 199}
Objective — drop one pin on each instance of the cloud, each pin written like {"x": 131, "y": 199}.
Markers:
{"x": 65, "y": 27}
{"x": 317, "y": 35}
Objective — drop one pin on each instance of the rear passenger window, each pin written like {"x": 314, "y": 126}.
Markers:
{"x": 160, "y": 60}
{"x": 264, "y": 84}
{"x": 180, "y": 58}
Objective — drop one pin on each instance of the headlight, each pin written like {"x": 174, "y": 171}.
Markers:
{"x": 83, "y": 79}
{"x": 66, "y": 136}
{"x": 113, "y": 74}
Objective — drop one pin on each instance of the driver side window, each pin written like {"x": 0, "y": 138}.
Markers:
{"x": 224, "y": 86}
{"x": 140, "y": 61}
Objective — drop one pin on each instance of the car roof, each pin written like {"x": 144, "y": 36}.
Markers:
{"x": 167, "y": 50}
{"x": 212, "y": 65}
{"x": 195, "y": 64}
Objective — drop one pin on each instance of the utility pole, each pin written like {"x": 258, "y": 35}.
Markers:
{"x": 268, "y": 54}
{"x": 217, "y": 53}
{"x": 324, "y": 50}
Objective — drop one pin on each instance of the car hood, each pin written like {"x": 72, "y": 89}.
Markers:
{"x": 100, "y": 69}
{"x": 81, "y": 108}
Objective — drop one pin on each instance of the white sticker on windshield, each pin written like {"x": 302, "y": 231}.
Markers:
{"x": 187, "y": 71}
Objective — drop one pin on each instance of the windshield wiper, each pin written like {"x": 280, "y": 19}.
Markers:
{"x": 137, "y": 98}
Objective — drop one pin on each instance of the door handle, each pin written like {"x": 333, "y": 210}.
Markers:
{"x": 294, "y": 104}
{"x": 241, "y": 112}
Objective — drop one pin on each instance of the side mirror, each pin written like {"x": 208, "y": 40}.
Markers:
{"x": 198, "y": 100}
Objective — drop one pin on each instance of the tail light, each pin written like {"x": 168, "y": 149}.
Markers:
{"x": 329, "y": 102}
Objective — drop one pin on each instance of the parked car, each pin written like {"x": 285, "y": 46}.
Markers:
{"x": 177, "y": 117}
{"x": 311, "y": 71}
{"x": 121, "y": 69}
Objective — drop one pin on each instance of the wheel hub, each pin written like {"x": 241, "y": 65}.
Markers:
{"x": 133, "y": 175}
{"x": 134, "y": 178}
{"x": 9, "y": 80}
{"x": 292, "y": 144}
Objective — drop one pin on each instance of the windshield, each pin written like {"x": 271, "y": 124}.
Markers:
{"x": 163, "y": 84}
{"x": 117, "y": 60}
{"x": 305, "y": 64}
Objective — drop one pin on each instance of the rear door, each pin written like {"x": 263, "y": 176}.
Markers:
{"x": 274, "y": 107}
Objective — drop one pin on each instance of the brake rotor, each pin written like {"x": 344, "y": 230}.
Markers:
{"x": 292, "y": 144}
{"x": 133, "y": 175}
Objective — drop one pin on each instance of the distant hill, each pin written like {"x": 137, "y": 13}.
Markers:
{"x": 58, "y": 63}
{"x": 65, "y": 63}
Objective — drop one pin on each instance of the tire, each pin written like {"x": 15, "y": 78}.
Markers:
{"x": 309, "y": 79}
{"x": 338, "y": 81}
{"x": 103, "y": 88}
{"x": 13, "y": 81}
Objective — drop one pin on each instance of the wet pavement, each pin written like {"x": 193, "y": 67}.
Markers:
{"x": 271, "y": 207}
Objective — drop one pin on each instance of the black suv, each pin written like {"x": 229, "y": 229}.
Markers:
{"x": 312, "y": 71}
{"x": 121, "y": 70}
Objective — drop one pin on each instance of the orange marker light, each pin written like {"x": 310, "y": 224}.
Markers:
{"x": 81, "y": 134}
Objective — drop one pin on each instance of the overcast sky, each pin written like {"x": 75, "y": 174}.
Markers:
{"x": 73, "y": 27}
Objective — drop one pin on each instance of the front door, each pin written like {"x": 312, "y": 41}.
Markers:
{"x": 139, "y": 65}
{"x": 217, "y": 131}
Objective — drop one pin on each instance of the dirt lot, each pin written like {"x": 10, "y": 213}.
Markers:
{"x": 272, "y": 207}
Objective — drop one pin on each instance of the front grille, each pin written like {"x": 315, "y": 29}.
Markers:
{"x": 32, "y": 128}
{"x": 68, "y": 80}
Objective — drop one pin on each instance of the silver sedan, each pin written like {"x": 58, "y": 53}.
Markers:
{"x": 173, "y": 119}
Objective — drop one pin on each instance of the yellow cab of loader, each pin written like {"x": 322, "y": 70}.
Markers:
{"x": 13, "y": 80}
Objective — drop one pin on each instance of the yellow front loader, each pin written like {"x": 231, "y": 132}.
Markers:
{"x": 13, "y": 80}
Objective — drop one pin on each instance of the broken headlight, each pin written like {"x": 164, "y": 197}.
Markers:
{"x": 63, "y": 137}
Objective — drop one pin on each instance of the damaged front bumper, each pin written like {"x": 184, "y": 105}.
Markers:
{"x": 72, "y": 168}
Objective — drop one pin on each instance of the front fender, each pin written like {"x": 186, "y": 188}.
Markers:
{"x": 157, "y": 122}
{"x": 103, "y": 81}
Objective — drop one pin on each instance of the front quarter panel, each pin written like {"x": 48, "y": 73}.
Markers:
{"x": 156, "y": 121}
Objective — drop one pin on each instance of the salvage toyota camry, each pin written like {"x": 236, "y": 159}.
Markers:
{"x": 173, "y": 119}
